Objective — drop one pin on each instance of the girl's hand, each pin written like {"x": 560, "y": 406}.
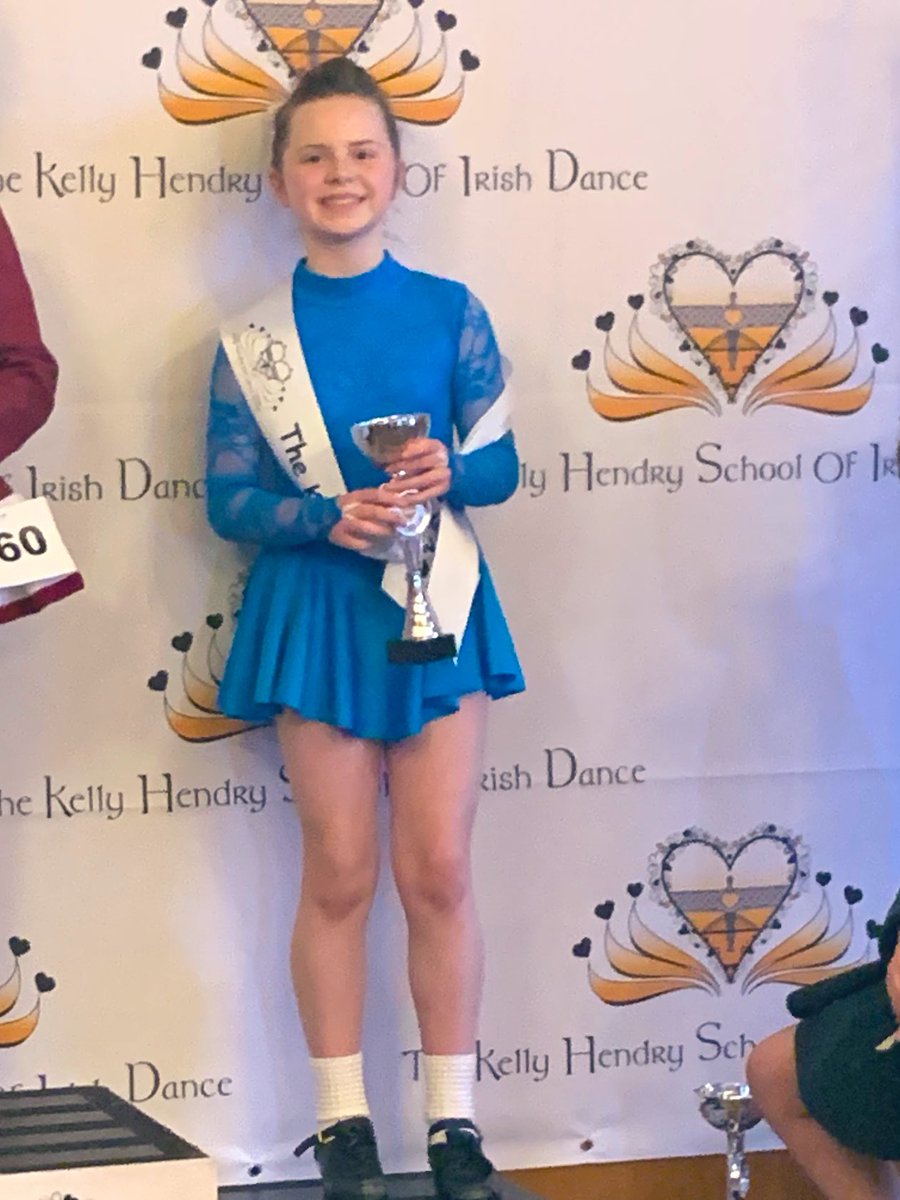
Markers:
{"x": 368, "y": 515}
{"x": 893, "y": 983}
{"x": 421, "y": 472}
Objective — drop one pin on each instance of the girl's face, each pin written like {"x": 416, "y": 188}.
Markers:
{"x": 339, "y": 173}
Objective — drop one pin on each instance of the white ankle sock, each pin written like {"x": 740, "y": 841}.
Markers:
{"x": 449, "y": 1086}
{"x": 340, "y": 1091}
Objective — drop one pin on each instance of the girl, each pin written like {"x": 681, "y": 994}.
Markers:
{"x": 830, "y": 1086}
{"x": 310, "y": 643}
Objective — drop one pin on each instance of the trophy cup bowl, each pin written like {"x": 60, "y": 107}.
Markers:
{"x": 731, "y": 1108}
{"x": 728, "y": 1105}
{"x": 381, "y": 439}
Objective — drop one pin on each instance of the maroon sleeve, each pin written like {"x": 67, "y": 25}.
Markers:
{"x": 27, "y": 369}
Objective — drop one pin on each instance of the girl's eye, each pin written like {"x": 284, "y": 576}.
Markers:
{"x": 365, "y": 154}
{"x": 311, "y": 158}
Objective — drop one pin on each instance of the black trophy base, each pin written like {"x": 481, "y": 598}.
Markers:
{"x": 407, "y": 650}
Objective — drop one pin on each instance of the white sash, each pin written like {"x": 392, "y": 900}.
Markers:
{"x": 264, "y": 349}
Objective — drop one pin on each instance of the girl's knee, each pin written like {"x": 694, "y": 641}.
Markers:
{"x": 436, "y": 885}
{"x": 771, "y": 1072}
{"x": 340, "y": 886}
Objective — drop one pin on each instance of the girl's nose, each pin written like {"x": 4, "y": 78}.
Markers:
{"x": 341, "y": 167}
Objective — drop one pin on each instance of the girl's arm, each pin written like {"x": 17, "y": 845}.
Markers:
{"x": 489, "y": 475}
{"x": 239, "y": 509}
{"x": 27, "y": 370}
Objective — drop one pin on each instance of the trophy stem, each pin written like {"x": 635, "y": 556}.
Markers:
{"x": 730, "y": 1108}
{"x": 738, "y": 1170}
{"x": 422, "y": 639}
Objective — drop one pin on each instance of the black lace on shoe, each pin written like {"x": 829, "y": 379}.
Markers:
{"x": 348, "y": 1160}
{"x": 461, "y": 1170}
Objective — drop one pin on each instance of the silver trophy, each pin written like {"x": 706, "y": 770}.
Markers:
{"x": 731, "y": 1107}
{"x": 381, "y": 440}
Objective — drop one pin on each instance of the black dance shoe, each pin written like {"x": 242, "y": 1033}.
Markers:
{"x": 348, "y": 1160}
{"x": 460, "y": 1169}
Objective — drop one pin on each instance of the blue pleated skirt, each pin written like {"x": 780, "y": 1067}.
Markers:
{"x": 312, "y": 636}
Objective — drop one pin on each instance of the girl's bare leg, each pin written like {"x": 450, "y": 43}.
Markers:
{"x": 839, "y": 1173}
{"x": 335, "y": 782}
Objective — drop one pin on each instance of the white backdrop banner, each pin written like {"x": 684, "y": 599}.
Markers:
{"x": 685, "y": 230}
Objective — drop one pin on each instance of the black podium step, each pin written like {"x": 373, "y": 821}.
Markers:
{"x": 400, "y": 1187}
{"x": 86, "y": 1142}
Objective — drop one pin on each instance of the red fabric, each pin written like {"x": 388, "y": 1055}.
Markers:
{"x": 28, "y": 371}
{"x": 36, "y": 601}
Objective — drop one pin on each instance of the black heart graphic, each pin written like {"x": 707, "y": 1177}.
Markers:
{"x": 729, "y": 918}
{"x": 582, "y": 949}
{"x": 209, "y": 3}
{"x": 19, "y": 946}
{"x": 416, "y": 3}
{"x": 263, "y": 46}
{"x": 684, "y": 930}
{"x": 873, "y": 929}
{"x": 684, "y": 347}
{"x": 775, "y": 923}
{"x": 605, "y": 910}
{"x": 44, "y": 983}
{"x": 158, "y": 682}
{"x": 582, "y": 361}
{"x": 177, "y": 17}
{"x": 152, "y": 58}
{"x": 858, "y": 316}
{"x": 363, "y": 48}
{"x": 469, "y": 61}
{"x": 255, "y": 1171}
{"x": 636, "y": 302}
{"x": 446, "y": 21}
{"x": 183, "y": 642}
{"x": 634, "y": 890}
{"x": 852, "y": 895}
{"x": 823, "y": 878}
{"x": 880, "y": 353}
{"x": 215, "y": 620}
{"x": 781, "y": 344}
{"x": 830, "y": 298}
{"x": 605, "y": 321}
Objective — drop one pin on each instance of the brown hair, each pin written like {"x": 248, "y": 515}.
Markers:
{"x": 336, "y": 77}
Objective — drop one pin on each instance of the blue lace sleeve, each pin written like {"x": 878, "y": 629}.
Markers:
{"x": 239, "y": 508}
{"x": 489, "y": 475}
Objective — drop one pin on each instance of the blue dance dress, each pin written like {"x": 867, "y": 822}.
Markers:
{"x": 313, "y": 626}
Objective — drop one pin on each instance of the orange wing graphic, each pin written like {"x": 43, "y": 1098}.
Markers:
{"x": 807, "y": 956}
{"x": 10, "y": 990}
{"x": 16, "y": 1030}
{"x": 250, "y": 64}
{"x": 813, "y": 379}
{"x": 196, "y": 716}
{"x": 650, "y": 965}
{"x": 14, "y": 1033}
{"x": 653, "y": 383}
